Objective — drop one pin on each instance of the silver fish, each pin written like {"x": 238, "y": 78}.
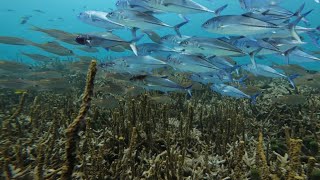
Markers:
{"x": 99, "y": 19}
{"x": 190, "y": 63}
{"x": 134, "y": 65}
{"x": 267, "y": 71}
{"x": 231, "y": 91}
{"x": 139, "y": 20}
{"x": 106, "y": 40}
{"x": 162, "y": 84}
{"x": 242, "y": 25}
{"x": 209, "y": 47}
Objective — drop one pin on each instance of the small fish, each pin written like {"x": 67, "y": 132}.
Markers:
{"x": 58, "y": 34}
{"x": 14, "y": 66}
{"x": 162, "y": 84}
{"x": 14, "y": 41}
{"x": 55, "y": 48}
{"x": 162, "y": 100}
{"x": 16, "y": 84}
{"x": 38, "y": 57}
{"x": 231, "y": 91}
{"x": 25, "y": 19}
{"x": 39, "y": 11}
{"x": 292, "y": 69}
{"x": 89, "y": 49}
{"x": 291, "y": 100}
{"x": 50, "y": 74}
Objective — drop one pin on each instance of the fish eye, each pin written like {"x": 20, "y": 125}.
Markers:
{"x": 81, "y": 40}
{"x": 70, "y": 51}
{"x": 207, "y": 23}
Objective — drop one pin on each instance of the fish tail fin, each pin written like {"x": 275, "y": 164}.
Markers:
{"x": 133, "y": 44}
{"x": 218, "y": 11}
{"x": 252, "y": 57}
{"x": 35, "y": 28}
{"x": 287, "y": 53}
{"x": 253, "y": 98}
{"x": 188, "y": 89}
{"x": 299, "y": 10}
{"x": 241, "y": 80}
{"x": 291, "y": 78}
{"x": 292, "y": 26}
{"x": 178, "y": 26}
{"x": 298, "y": 14}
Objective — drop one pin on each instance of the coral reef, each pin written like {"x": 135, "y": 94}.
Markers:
{"x": 45, "y": 136}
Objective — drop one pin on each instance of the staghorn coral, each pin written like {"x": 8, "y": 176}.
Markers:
{"x": 200, "y": 138}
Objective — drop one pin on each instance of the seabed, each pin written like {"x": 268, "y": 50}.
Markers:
{"x": 56, "y": 135}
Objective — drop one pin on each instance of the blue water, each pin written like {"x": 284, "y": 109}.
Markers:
{"x": 69, "y": 9}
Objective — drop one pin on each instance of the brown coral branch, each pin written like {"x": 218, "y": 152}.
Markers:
{"x": 78, "y": 124}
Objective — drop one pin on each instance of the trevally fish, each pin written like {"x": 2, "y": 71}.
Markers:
{"x": 209, "y": 47}
{"x": 248, "y": 45}
{"x": 267, "y": 71}
{"x": 173, "y": 40}
{"x": 173, "y": 6}
{"x": 254, "y": 4}
{"x": 106, "y": 40}
{"x": 99, "y": 19}
{"x": 135, "y": 6}
{"x": 55, "y": 48}
{"x": 139, "y": 20}
{"x": 211, "y": 77}
{"x": 298, "y": 52}
{"x": 231, "y": 91}
{"x": 221, "y": 62}
{"x": 134, "y": 64}
{"x": 153, "y": 49}
{"x": 190, "y": 63}
{"x": 157, "y": 83}
{"x": 242, "y": 25}
{"x": 271, "y": 10}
